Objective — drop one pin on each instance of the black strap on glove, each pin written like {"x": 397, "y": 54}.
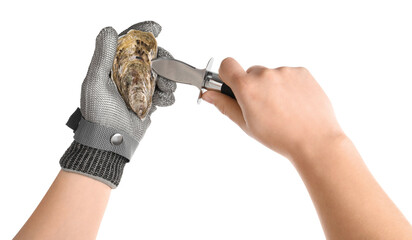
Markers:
{"x": 74, "y": 120}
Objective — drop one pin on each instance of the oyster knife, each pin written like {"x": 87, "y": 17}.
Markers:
{"x": 182, "y": 72}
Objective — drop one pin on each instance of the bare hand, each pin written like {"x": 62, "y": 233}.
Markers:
{"x": 287, "y": 110}
{"x": 283, "y": 108}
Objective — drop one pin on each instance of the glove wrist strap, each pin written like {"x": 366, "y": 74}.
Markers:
{"x": 101, "y": 137}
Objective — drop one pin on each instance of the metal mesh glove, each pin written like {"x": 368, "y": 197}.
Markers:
{"x": 107, "y": 126}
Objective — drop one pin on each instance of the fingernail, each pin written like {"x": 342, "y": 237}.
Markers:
{"x": 207, "y": 98}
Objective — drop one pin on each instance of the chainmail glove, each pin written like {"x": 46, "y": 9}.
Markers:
{"x": 106, "y": 131}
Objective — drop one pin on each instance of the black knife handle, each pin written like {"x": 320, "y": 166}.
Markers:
{"x": 227, "y": 90}
{"x": 214, "y": 82}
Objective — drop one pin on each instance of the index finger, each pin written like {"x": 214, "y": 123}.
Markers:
{"x": 146, "y": 26}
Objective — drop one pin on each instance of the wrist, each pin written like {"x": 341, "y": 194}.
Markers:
{"x": 319, "y": 149}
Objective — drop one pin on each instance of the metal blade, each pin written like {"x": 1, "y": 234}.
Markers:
{"x": 178, "y": 71}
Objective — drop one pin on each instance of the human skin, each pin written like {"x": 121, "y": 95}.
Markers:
{"x": 286, "y": 110}
{"x": 72, "y": 208}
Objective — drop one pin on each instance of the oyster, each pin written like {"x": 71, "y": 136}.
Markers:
{"x": 132, "y": 70}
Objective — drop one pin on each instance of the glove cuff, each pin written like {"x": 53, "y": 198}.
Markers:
{"x": 104, "y": 166}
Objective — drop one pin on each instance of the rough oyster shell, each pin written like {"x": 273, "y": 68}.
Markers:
{"x": 132, "y": 70}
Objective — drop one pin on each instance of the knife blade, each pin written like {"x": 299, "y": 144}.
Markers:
{"x": 182, "y": 72}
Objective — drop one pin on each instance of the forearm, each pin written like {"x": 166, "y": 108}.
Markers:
{"x": 72, "y": 209}
{"x": 349, "y": 201}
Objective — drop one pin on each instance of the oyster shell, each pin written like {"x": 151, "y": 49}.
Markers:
{"x": 132, "y": 70}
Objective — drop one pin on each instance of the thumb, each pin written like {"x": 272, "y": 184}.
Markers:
{"x": 226, "y": 105}
{"x": 231, "y": 73}
{"x": 104, "y": 53}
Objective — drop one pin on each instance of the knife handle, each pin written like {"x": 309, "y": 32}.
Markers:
{"x": 213, "y": 82}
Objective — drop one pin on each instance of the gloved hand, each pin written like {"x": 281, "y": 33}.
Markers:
{"x": 106, "y": 131}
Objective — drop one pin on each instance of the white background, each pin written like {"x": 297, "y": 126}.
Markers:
{"x": 196, "y": 175}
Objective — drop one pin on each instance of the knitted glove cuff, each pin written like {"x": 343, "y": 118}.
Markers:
{"x": 104, "y": 166}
